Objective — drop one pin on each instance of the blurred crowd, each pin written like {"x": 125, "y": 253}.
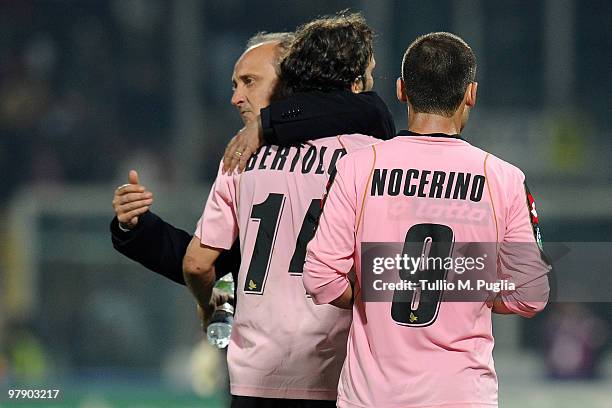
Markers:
{"x": 80, "y": 83}
{"x": 85, "y": 84}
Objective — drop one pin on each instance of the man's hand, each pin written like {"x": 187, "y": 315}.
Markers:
{"x": 242, "y": 146}
{"x": 131, "y": 201}
{"x": 217, "y": 299}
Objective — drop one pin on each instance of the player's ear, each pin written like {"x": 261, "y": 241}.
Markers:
{"x": 400, "y": 90}
{"x": 358, "y": 85}
{"x": 470, "y": 94}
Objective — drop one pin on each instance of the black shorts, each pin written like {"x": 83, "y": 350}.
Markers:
{"x": 255, "y": 402}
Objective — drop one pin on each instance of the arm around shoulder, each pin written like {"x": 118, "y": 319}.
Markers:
{"x": 303, "y": 116}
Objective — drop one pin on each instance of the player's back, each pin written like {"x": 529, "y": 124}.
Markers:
{"x": 432, "y": 191}
{"x": 282, "y": 345}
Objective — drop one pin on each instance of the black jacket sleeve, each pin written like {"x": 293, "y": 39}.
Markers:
{"x": 313, "y": 115}
{"x": 160, "y": 247}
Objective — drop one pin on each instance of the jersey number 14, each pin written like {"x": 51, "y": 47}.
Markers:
{"x": 268, "y": 214}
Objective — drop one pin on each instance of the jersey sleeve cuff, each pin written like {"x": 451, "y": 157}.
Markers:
{"x": 327, "y": 292}
{"x": 217, "y": 242}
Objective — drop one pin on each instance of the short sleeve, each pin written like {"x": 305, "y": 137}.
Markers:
{"x": 218, "y": 226}
{"x": 521, "y": 259}
{"x": 330, "y": 253}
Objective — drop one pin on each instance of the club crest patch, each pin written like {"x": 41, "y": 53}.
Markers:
{"x": 533, "y": 215}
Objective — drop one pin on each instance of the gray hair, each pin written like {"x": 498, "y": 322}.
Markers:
{"x": 284, "y": 40}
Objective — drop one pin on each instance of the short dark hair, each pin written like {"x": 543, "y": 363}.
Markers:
{"x": 437, "y": 69}
{"x": 328, "y": 53}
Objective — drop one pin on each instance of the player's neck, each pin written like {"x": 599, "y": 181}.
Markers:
{"x": 426, "y": 123}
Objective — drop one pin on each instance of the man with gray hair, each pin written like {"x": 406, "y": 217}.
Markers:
{"x": 284, "y": 351}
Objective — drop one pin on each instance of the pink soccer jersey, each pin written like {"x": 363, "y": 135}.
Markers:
{"x": 439, "y": 357}
{"x": 282, "y": 345}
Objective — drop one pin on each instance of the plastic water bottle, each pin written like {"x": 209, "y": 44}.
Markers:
{"x": 219, "y": 329}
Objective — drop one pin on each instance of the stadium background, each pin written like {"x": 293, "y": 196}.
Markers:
{"x": 90, "y": 89}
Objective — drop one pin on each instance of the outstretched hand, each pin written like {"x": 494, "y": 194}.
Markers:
{"x": 131, "y": 200}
